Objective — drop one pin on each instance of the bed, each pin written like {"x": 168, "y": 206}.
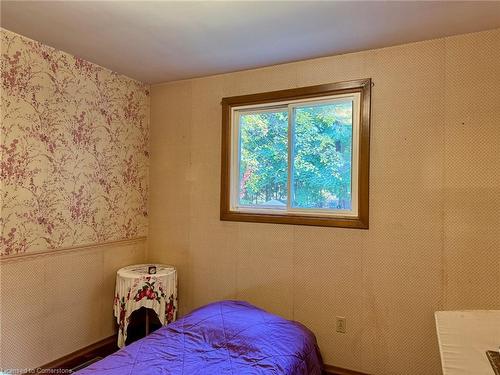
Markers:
{"x": 227, "y": 337}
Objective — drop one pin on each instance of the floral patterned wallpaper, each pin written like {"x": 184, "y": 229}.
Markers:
{"x": 73, "y": 150}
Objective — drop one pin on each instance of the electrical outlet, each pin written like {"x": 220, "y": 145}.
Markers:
{"x": 340, "y": 324}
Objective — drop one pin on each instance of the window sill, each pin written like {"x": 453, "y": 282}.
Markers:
{"x": 295, "y": 219}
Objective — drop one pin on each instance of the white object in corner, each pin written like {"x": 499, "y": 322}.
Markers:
{"x": 464, "y": 337}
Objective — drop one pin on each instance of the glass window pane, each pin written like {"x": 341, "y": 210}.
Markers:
{"x": 264, "y": 159}
{"x": 322, "y": 154}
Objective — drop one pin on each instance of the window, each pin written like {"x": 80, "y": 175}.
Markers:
{"x": 298, "y": 156}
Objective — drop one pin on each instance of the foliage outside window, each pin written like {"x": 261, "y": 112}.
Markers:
{"x": 298, "y": 156}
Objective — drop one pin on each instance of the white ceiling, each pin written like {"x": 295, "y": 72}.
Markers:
{"x": 155, "y": 41}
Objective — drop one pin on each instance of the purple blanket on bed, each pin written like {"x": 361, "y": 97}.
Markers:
{"x": 228, "y": 337}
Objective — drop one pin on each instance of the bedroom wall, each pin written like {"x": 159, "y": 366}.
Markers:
{"x": 74, "y": 143}
{"x": 434, "y": 237}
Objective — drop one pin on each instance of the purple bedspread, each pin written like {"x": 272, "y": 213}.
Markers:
{"x": 228, "y": 337}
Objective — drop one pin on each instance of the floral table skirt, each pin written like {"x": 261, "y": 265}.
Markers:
{"x": 135, "y": 288}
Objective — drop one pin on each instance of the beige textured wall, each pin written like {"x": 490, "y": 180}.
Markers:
{"x": 434, "y": 237}
{"x": 57, "y": 303}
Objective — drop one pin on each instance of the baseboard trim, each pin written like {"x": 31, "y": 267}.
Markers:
{"x": 101, "y": 348}
{"x": 334, "y": 370}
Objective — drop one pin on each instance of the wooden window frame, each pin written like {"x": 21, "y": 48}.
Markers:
{"x": 361, "y": 86}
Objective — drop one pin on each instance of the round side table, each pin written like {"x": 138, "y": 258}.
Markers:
{"x": 136, "y": 288}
